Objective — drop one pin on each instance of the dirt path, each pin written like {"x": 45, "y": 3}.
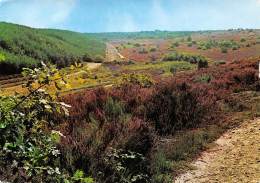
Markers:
{"x": 112, "y": 54}
{"x": 93, "y": 65}
{"x": 235, "y": 158}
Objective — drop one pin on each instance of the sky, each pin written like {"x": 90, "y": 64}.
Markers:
{"x": 132, "y": 15}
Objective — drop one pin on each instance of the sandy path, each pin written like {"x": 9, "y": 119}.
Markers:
{"x": 113, "y": 54}
{"x": 235, "y": 158}
{"x": 93, "y": 65}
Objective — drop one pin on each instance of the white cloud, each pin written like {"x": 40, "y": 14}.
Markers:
{"x": 36, "y": 13}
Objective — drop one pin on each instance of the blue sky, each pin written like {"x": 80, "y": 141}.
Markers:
{"x": 132, "y": 15}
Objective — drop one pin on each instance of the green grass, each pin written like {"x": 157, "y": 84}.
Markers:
{"x": 164, "y": 66}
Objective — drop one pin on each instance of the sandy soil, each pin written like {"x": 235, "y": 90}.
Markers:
{"x": 112, "y": 54}
{"x": 234, "y": 158}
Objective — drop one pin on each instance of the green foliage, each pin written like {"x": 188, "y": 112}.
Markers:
{"x": 242, "y": 40}
{"x": 79, "y": 177}
{"x": 220, "y": 62}
{"x": 114, "y": 110}
{"x": 184, "y": 57}
{"x": 2, "y": 57}
{"x": 189, "y": 44}
{"x": 140, "y": 35}
{"x": 99, "y": 59}
{"x": 139, "y": 79}
{"x": 202, "y": 64}
{"x": 225, "y": 44}
{"x": 152, "y": 49}
{"x": 26, "y": 47}
{"x": 143, "y": 51}
{"x": 176, "y": 44}
{"x": 161, "y": 168}
{"x": 27, "y": 139}
{"x": 224, "y": 50}
{"x": 189, "y": 39}
{"x": 124, "y": 165}
{"x": 203, "y": 79}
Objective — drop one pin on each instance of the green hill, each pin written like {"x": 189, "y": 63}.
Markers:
{"x": 157, "y": 34}
{"x": 25, "y": 47}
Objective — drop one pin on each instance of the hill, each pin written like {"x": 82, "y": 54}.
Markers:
{"x": 25, "y": 46}
{"x": 157, "y": 34}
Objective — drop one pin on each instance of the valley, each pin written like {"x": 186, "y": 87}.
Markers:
{"x": 128, "y": 107}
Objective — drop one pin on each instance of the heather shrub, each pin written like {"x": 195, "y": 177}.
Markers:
{"x": 171, "y": 110}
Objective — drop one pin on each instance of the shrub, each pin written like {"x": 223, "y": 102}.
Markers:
{"x": 242, "y": 40}
{"x": 137, "y": 79}
{"x": 27, "y": 138}
{"x": 152, "y": 49}
{"x": 113, "y": 110}
{"x": 99, "y": 59}
{"x": 224, "y": 50}
{"x": 2, "y": 57}
{"x": 202, "y": 64}
{"x": 189, "y": 39}
{"x": 173, "y": 70}
{"x": 171, "y": 111}
{"x": 203, "y": 79}
{"x": 161, "y": 168}
{"x": 137, "y": 45}
{"x": 220, "y": 62}
{"x": 184, "y": 57}
{"x": 176, "y": 44}
{"x": 143, "y": 51}
{"x": 126, "y": 167}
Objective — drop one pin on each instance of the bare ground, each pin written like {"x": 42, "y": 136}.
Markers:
{"x": 235, "y": 158}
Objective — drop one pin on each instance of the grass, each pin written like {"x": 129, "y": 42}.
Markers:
{"x": 164, "y": 66}
{"x": 81, "y": 78}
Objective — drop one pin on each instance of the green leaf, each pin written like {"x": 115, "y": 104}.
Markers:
{"x": 78, "y": 174}
{"x": 88, "y": 180}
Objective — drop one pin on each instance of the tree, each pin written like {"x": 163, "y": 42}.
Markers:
{"x": 189, "y": 39}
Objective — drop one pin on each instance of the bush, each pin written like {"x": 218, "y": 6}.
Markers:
{"x": 171, "y": 111}
{"x": 161, "y": 168}
{"x": 137, "y": 79}
{"x": 137, "y": 45}
{"x": 243, "y": 40}
{"x": 99, "y": 59}
{"x": 152, "y": 49}
{"x": 220, "y": 62}
{"x": 202, "y": 64}
{"x": 176, "y": 44}
{"x": 143, "y": 51}
{"x": 184, "y": 57}
{"x": 28, "y": 139}
{"x": 203, "y": 79}
{"x": 224, "y": 50}
{"x": 189, "y": 39}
